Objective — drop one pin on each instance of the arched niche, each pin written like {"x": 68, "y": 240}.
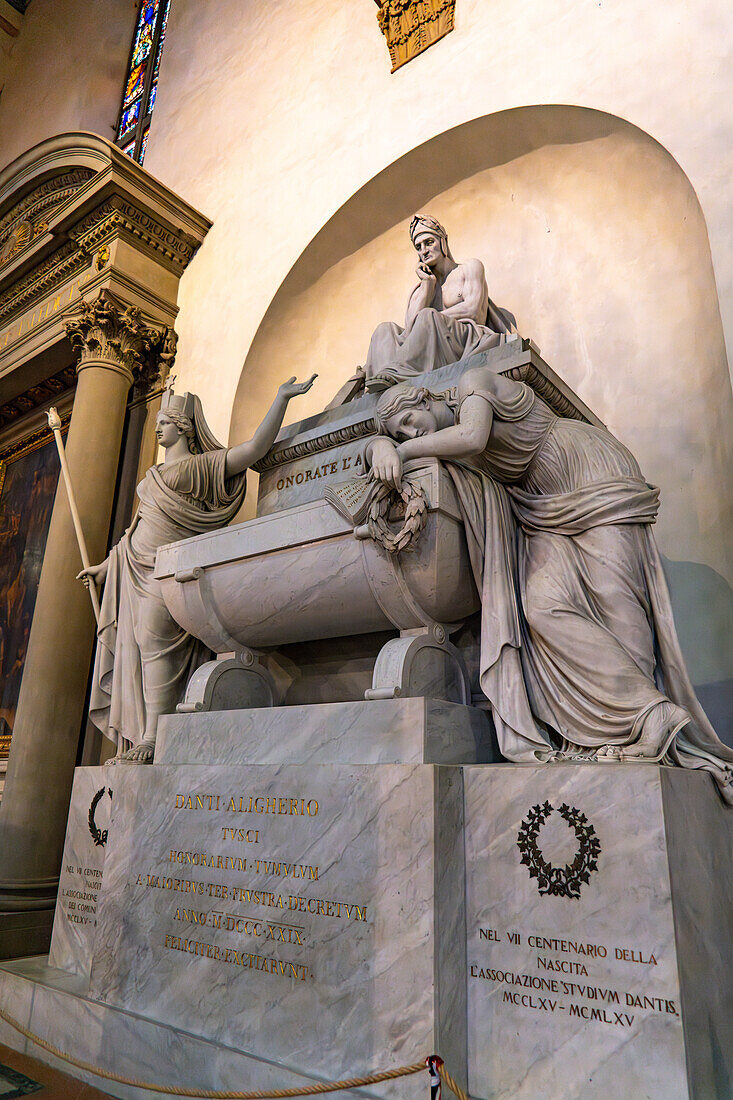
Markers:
{"x": 592, "y": 235}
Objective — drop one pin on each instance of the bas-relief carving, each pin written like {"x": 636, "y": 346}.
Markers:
{"x": 23, "y": 222}
{"x": 144, "y": 657}
{"x": 410, "y": 26}
{"x": 595, "y": 977}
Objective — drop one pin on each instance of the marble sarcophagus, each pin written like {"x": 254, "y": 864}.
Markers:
{"x": 301, "y": 571}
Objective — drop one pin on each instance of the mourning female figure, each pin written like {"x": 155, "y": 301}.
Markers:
{"x": 144, "y": 659}
{"x": 579, "y": 655}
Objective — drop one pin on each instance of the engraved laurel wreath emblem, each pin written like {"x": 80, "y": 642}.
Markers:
{"x": 561, "y": 882}
{"x": 99, "y": 836}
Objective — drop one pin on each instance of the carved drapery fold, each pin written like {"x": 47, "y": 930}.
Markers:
{"x": 107, "y": 329}
{"x": 410, "y": 26}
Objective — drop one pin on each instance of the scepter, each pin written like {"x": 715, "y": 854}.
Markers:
{"x": 54, "y": 423}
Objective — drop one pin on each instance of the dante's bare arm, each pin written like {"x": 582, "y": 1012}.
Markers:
{"x": 244, "y": 455}
{"x": 474, "y": 294}
{"x": 423, "y": 294}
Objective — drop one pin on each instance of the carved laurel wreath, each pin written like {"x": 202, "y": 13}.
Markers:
{"x": 416, "y": 513}
{"x": 562, "y": 882}
{"x": 99, "y": 836}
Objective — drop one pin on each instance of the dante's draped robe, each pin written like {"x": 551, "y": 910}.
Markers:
{"x": 143, "y": 656}
{"x": 577, "y": 632}
{"x": 433, "y": 339}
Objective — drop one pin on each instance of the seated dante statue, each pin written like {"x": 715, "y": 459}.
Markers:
{"x": 449, "y": 314}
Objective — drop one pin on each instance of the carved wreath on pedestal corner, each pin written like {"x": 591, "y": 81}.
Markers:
{"x": 99, "y": 836}
{"x": 562, "y": 882}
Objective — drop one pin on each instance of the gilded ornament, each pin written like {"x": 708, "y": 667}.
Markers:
{"x": 102, "y": 258}
{"x": 410, "y": 26}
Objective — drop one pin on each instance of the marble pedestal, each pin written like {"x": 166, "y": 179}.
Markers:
{"x": 552, "y": 931}
{"x": 599, "y": 930}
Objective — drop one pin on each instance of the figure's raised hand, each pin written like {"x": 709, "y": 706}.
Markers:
{"x": 293, "y": 388}
{"x": 386, "y": 462}
{"x": 97, "y": 573}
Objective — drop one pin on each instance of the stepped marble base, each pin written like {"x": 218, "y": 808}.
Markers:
{"x": 555, "y": 931}
{"x": 610, "y": 976}
{"x": 55, "y": 1005}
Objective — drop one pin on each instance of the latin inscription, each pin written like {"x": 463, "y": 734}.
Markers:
{"x": 352, "y": 463}
{"x": 538, "y": 984}
{"x": 230, "y": 868}
{"x": 79, "y": 894}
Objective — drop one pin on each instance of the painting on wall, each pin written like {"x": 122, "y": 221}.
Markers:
{"x": 29, "y": 472}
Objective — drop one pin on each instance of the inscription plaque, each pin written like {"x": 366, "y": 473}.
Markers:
{"x": 300, "y": 896}
{"x": 572, "y": 970}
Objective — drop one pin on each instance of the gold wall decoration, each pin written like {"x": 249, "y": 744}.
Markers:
{"x": 410, "y": 26}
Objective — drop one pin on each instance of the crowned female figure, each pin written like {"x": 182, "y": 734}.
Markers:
{"x": 579, "y": 655}
{"x": 144, "y": 658}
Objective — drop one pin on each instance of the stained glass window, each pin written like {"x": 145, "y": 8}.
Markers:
{"x": 141, "y": 85}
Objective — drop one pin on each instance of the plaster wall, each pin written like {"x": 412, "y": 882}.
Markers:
{"x": 271, "y": 116}
{"x": 65, "y": 71}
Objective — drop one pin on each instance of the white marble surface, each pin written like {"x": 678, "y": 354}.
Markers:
{"x": 386, "y": 731}
{"x": 300, "y": 575}
{"x": 53, "y": 1005}
{"x": 363, "y": 987}
{"x": 542, "y": 1046}
{"x": 699, "y": 828}
{"x": 75, "y": 920}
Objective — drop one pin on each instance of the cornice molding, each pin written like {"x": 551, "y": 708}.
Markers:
{"x": 35, "y": 398}
{"x": 119, "y": 215}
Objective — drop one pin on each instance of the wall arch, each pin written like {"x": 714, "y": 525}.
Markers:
{"x": 593, "y": 236}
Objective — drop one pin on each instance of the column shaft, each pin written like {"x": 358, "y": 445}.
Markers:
{"x": 50, "y": 708}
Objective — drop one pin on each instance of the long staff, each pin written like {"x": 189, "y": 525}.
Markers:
{"x": 54, "y": 423}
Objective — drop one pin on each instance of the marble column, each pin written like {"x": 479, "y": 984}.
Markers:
{"x": 117, "y": 347}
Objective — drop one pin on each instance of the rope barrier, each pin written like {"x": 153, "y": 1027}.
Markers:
{"x": 258, "y": 1094}
{"x": 452, "y": 1085}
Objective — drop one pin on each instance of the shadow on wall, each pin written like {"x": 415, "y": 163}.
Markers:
{"x": 702, "y": 603}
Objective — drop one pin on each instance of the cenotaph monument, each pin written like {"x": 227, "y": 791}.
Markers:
{"x": 410, "y": 763}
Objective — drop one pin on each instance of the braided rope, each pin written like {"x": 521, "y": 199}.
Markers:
{"x": 213, "y": 1094}
{"x": 452, "y": 1085}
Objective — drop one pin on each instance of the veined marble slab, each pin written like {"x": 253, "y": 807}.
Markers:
{"x": 321, "y": 928}
{"x": 386, "y": 731}
{"x": 53, "y": 1004}
{"x": 75, "y": 920}
{"x": 577, "y": 996}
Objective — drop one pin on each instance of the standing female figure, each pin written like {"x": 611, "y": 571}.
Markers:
{"x": 144, "y": 658}
{"x": 579, "y": 654}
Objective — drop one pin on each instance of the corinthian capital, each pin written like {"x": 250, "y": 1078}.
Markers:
{"x": 108, "y": 330}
